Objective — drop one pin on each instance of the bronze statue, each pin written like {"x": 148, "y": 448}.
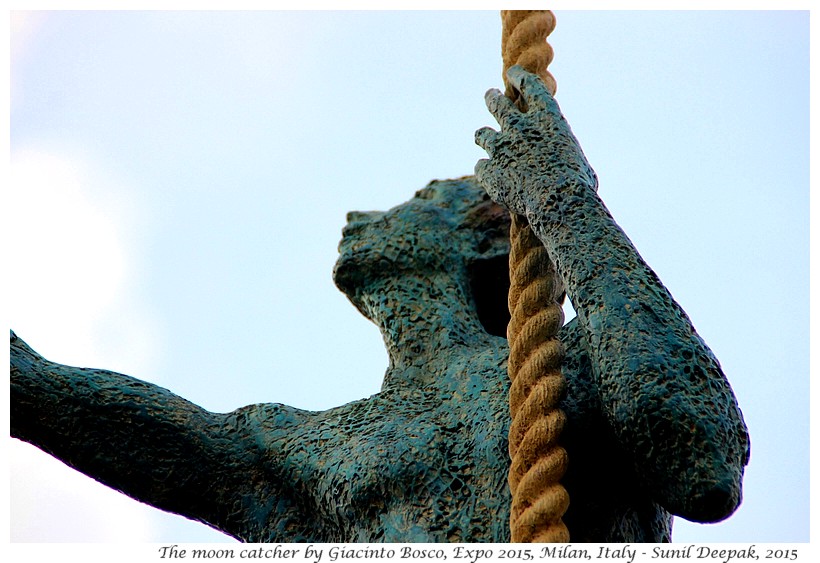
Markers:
{"x": 653, "y": 427}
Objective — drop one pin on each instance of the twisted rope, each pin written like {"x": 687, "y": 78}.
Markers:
{"x": 539, "y": 501}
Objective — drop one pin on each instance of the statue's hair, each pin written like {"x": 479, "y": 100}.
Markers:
{"x": 487, "y": 222}
{"x": 487, "y": 226}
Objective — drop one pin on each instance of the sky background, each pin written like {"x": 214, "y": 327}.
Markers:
{"x": 179, "y": 181}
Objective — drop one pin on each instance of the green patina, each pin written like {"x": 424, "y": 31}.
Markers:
{"x": 653, "y": 427}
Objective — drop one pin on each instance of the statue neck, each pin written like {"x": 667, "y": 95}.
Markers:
{"x": 423, "y": 319}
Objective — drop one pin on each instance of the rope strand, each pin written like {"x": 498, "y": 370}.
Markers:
{"x": 539, "y": 501}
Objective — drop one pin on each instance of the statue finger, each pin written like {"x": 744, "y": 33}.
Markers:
{"x": 500, "y": 106}
{"x": 532, "y": 88}
{"x": 480, "y": 169}
{"x": 483, "y": 173}
{"x": 486, "y": 177}
{"x": 487, "y": 138}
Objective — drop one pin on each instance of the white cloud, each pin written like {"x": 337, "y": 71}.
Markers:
{"x": 68, "y": 249}
{"x": 74, "y": 254}
{"x": 72, "y": 298}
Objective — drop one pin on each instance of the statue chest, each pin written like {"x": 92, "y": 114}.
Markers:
{"x": 424, "y": 466}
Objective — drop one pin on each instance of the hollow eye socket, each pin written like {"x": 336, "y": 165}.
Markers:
{"x": 490, "y": 283}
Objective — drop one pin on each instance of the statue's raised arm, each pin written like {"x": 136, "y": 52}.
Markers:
{"x": 226, "y": 470}
{"x": 661, "y": 388}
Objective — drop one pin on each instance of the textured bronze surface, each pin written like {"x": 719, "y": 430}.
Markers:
{"x": 652, "y": 424}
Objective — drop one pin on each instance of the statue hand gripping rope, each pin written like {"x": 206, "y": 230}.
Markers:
{"x": 662, "y": 391}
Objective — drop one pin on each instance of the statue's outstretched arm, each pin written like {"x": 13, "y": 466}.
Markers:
{"x": 152, "y": 445}
{"x": 661, "y": 388}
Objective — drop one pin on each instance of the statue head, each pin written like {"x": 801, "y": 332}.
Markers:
{"x": 450, "y": 227}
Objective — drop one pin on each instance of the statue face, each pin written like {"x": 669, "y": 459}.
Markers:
{"x": 419, "y": 235}
{"x": 444, "y": 227}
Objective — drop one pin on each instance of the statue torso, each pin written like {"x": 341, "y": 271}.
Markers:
{"x": 430, "y": 464}
{"x": 417, "y": 465}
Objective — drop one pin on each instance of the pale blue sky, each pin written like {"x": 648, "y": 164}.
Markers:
{"x": 180, "y": 180}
